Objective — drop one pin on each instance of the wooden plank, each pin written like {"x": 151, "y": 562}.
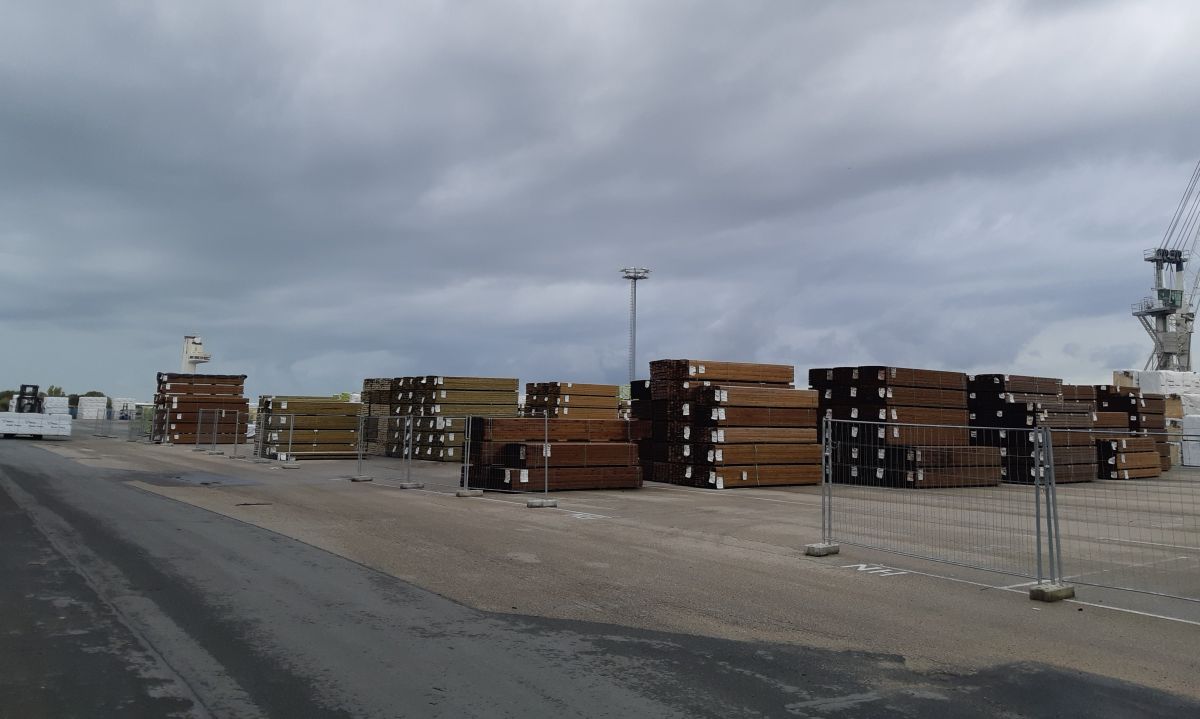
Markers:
{"x": 755, "y": 417}
{"x": 731, "y": 396}
{"x": 760, "y": 435}
{"x": 570, "y": 454}
{"x": 777, "y": 475}
{"x": 753, "y": 454}
{"x": 718, "y": 371}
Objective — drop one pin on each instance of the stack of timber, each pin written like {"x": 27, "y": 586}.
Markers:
{"x": 187, "y": 405}
{"x": 1146, "y": 415}
{"x": 534, "y": 454}
{"x": 723, "y": 425}
{"x": 293, "y": 428}
{"x": 1128, "y": 458}
{"x": 902, "y": 427}
{"x": 1006, "y": 411}
{"x": 440, "y": 406}
{"x": 572, "y": 400}
{"x": 378, "y": 406}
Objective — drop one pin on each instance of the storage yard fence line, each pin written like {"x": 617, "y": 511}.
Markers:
{"x": 1017, "y": 501}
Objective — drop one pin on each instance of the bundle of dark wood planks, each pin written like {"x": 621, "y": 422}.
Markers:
{"x": 378, "y": 407}
{"x": 539, "y": 454}
{"x": 295, "y": 428}
{"x": 722, "y": 425}
{"x": 902, "y": 427}
{"x": 1007, "y": 410}
{"x": 572, "y": 400}
{"x": 203, "y": 407}
{"x": 439, "y": 406}
{"x": 1141, "y": 414}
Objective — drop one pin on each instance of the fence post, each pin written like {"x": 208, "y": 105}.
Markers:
{"x": 1056, "y": 590}
{"x": 465, "y": 490}
{"x": 290, "y": 462}
{"x": 217, "y": 414}
{"x": 826, "y": 546}
{"x": 199, "y": 426}
{"x": 237, "y": 422}
{"x": 545, "y": 500}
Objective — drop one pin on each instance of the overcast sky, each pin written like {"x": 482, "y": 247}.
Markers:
{"x": 330, "y": 191}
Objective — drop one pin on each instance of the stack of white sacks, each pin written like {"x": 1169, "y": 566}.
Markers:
{"x": 1182, "y": 390}
{"x": 55, "y": 405}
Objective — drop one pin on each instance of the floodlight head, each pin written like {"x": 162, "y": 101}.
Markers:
{"x": 635, "y": 273}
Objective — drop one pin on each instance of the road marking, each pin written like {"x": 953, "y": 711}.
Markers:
{"x": 1124, "y": 566}
{"x": 1152, "y": 544}
{"x": 877, "y": 569}
{"x": 588, "y": 515}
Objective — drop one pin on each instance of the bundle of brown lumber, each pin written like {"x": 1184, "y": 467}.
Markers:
{"x": 204, "y": 408}
{"x": 1007, "y": 411}
{"x": 293, "y": 428}
{"x": 379, "y": 402}
{"x": 1129, "y": 458}
{"x": 1146, "y": 413}
{"x": 451, "y": 400}
{"x": 548, "y": 454}
{"x": 722, "y": 425}
{"x": 572, "y": 400}
{"x": 902, "y": 427}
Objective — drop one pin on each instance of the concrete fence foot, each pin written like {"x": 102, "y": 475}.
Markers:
{"x": 538, "y": 503}
{"x": 1051, "y": 592}
{"x": 469, "y": 493}
{"x": 821, "y": 549}
{"x": 411, "y": 485}
{"x": 289, "y": 465}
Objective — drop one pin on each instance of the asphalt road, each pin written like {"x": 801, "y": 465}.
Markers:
{"x": 121, "y": 602}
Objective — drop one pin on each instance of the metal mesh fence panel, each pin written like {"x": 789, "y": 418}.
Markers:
{"x": 969, "y": 496}
{"x": 1134, "y": 523}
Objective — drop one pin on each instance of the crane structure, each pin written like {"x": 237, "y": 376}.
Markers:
{"x": 1169, "y": 314}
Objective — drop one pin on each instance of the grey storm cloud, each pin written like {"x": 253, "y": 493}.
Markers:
{"x": 329, "y": 191}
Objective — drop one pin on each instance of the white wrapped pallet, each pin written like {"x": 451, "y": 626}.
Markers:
{"x": 1191, "y": 440}
{"x": 56, "y": 405}
{"x": 1159, "y": 381}
{"x": 92, "y": 408}
{"x": 44, "y": 425}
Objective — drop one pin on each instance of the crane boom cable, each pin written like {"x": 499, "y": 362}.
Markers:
{"x": 1169, "y": 237}
{"x": 1186, "y": 231}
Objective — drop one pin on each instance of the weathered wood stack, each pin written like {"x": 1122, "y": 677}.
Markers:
{"x": 1145, "y": 417}
{"x": 295, "y": 428}
{"x": 728, "y": 424}
{"x": 572, "y": 400}
{"x": 902, "y": 427}
{"x": 185, "y": 406}
{"x": 1128, "y": 458}
{"x": 533, "y": 454}
{"x": 440, "y": 406}
{"x": 379, "y": 402}
{"x": 1019, "y": 405}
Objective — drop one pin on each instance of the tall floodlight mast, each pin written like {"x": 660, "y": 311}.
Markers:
{"x": 1169, "y": 314}
{"x": 633, "y": 274}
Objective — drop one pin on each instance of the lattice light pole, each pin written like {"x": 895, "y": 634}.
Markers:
{"x": 633, "y": 274}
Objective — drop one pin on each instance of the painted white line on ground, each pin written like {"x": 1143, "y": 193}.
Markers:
{"x": 1152, "y": 544}
{"x": 735, "y": 493}
{"x": 1124, "y": 566}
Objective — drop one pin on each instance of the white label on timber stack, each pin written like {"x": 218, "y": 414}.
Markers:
{"x": 854, "y": 413}
{"x": 892, "y": 370}
{"x": 853, "y": 373}
{"x": 567, "y": 398}
{"x": 687, "y": 384}
{"x": 443, "y": 394}
{"x": 854, "y": 472}
{"x": 700, "y": 369}
{"x": 524, "y": 476}
{"x": 508, "y": 476}
{"x": 714, "y": 413}
{"x": 720, "y": 413}
{"x": 720, "y": 482}
{"x": 889, "y": 392}
{"x": 882, "y": 414}
{"x": 854, "y": 431}
{"x": 691, "y": 370}
{"x": 712, "y": 477}
{"x": 720, "y": 455}
{"x": 687, "y": 472}
{"x": 829, "y": 393}
{"x": 745, "y": 476}
{"x": 450, "y": 437}
{"x": 546, "y": 449}
{"x": 687, "y": 450}
{"x": 879, "y": 472}
{"x": 854, "y": 453}
{"x": 896, "y": 432}
{"x": 570, "y": 385}
{"x": 686, "y": 409}
{"x": 895, "y": 415}
{"x": 449, "y": 451}
{"x": 437, "y": 408}
{"x": 179, "y": 415}
{"x": 283, "y": 404}
{"x": 710, "y": 455}
{"x": 720, "y": 435}
{"x": 687, "y": 432}
{"x": 724, "y": 395}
